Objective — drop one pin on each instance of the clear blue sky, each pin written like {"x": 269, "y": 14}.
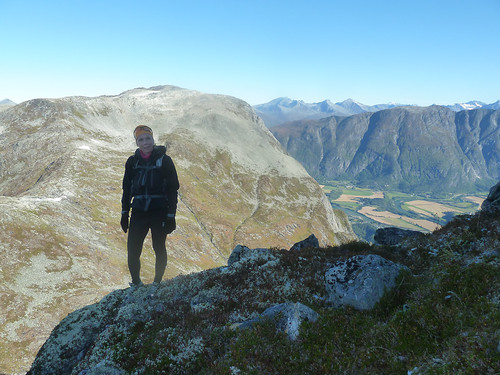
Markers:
{"x": 416, "y": 52}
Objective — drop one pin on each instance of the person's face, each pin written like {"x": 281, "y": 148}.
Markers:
{"x": 145, "y": 142}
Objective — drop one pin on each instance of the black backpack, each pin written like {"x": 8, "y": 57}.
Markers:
{"x": 148, "y": 182}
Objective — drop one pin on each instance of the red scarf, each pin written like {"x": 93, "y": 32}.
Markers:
{"x": 144, "y": 156}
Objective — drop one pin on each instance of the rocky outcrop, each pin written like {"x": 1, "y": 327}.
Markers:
{"x": 241, "y": 252}
{"x": 361, "y": 281}
{"x": 86, "y": 340}
{"x": 309, "y": 242}
{"x": 286, "y": 316}
{"x": 73, "y": 337}
{"x": 492, "y": 201}
{"x": 393, "y": 235}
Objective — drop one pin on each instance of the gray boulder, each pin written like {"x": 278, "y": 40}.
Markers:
{"x": 236, "y": 254}
{"x": 393, "y": 235}
{"x": 310, "y": 241}
{"x": 361, "y": 281}
{"x": 241, "y": 252}
{"x": 492, "y": 201}
{"x": 287, "y": 316}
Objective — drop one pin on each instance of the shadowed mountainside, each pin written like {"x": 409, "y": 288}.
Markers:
{"x": 410, "y": 149}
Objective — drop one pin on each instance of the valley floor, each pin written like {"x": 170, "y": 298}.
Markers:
{"x": 369, "y": 210}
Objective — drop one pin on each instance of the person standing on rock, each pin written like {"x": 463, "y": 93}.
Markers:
{"x": 150, "y": 186}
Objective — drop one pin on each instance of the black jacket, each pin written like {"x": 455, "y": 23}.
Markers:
{"x": 150, "y": 185}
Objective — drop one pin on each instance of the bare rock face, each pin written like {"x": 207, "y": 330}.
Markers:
{"x": 361, "y": 281}
{"x": 61, "y": 169}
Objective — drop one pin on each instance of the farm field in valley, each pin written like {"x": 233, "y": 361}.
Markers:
{"x": 369, "y": 210}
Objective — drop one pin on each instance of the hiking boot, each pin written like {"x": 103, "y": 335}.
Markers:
{"x": 136, "y": 285}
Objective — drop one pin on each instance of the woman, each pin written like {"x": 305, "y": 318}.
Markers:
{"x": 150, "y": 187}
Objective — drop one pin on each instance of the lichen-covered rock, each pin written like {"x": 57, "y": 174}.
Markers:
{"x": 361, "y": 281}
{"x": 393, "y": 235}
{"x": 85, "y": 328}
{"x": 70, "y": 340}
{"x": 104, "y": 367}
{"x": 310, "y": 241}
{"x": 287, "y": 316}
{"x": 241, "y": 252}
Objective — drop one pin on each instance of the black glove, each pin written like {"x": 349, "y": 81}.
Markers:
{"x": 124, "y": 222}
{"x": 169, "y": 224}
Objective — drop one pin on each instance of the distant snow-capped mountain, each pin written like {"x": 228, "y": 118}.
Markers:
{"x": 284, "y": 109}
{"x": 474, "y": 104}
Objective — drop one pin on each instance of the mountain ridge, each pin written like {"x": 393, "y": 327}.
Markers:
{"x": 430, "y": 149}
{"x": 284, "y": 109}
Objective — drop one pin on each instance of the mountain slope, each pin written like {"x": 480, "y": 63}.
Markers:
{"x": 412, "y": 149}
{"x": 62, "y": 164}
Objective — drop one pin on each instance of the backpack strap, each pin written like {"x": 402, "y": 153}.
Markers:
{"x": 146, "y": 170}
